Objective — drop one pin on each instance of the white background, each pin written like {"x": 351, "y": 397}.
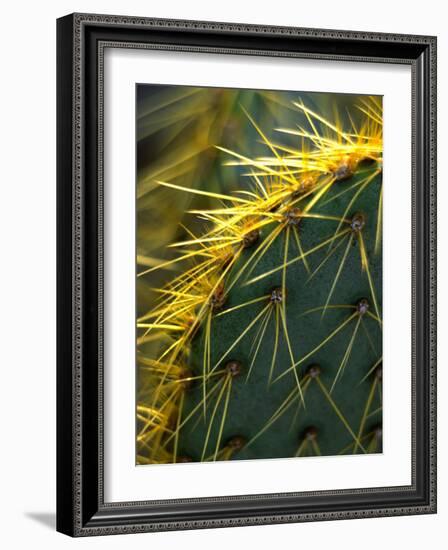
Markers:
{"x": 27, "y": 305}
{"x": 125, "y": 482}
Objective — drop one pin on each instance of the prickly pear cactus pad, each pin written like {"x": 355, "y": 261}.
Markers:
{"x": 259, "y": 274}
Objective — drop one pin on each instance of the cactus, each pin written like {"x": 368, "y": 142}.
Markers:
{"x": 266, "y": 340}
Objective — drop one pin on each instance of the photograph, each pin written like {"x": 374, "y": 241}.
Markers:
{"x": 258, "y": 274}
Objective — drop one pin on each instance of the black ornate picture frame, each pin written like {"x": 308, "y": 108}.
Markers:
{"x": 81, "y": 42}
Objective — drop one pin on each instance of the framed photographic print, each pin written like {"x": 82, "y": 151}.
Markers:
{"x": 246, "y": 274}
